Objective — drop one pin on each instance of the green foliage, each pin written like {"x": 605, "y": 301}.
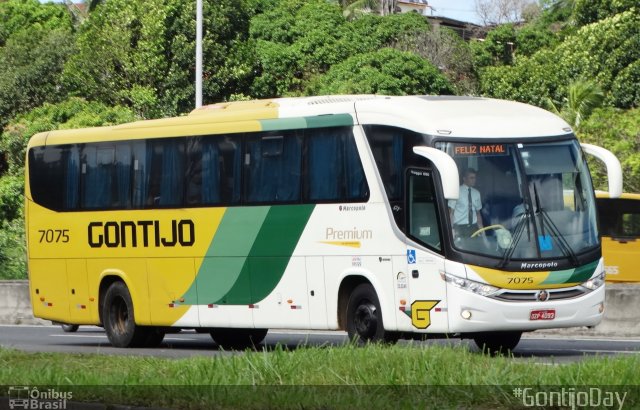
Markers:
{"x": 531, "y": 80}
{"x": 625, "y": 90}
{"x": 618, "y": 131}
{"x": 604, "y": 52}
{"x": 387, "y": 71}
{"x": 591, "y": 11}
{"x": 12, "y": 239}
{"x": 19, "y": 16}
{"x": 532, "y": 38}
{"x": 584, "y": 97}
{"x": 505, "y": 43}
{"x": 499, "y": 44}
{"x": 140, "y": 53}
{"x": 32, "y": 62}
{"x": 73, "y": 113}
{"x": 11, "y": 189}
{"x": 298, "y": 41}
{"x": 13, "y": 250}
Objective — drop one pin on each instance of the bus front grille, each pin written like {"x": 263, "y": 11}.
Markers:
{"x": 532, "y": 295}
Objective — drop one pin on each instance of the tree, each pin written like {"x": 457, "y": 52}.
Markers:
{"x": 495, "y": 12}
{"x": 589, "y": 11}
{"x": 446, "y": 50}
{"x": 32, "y": 62}
{"x": 617, "y": 130}
{"x": 300, "y": 40}
{"x": 141, "y": 54}
{"x": 583, "y": 98}
{"x": 356, "y": 8}
{"x": 387, "y": 71}
{"x": 73, "y": 113}
{"x": 19, "y": 16}
{"x": 605, "y": 52}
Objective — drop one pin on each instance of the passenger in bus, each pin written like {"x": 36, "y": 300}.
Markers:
{"x": 465, "y": 211}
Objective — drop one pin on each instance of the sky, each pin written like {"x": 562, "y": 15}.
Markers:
{"x": 463, "y": 10}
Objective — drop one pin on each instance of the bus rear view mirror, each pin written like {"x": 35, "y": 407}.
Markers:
{"x": 446, "y": 167}
{"x": 614, "y": 169}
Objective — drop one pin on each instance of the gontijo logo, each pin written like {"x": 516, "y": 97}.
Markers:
{"x": 123, "y": 234}
{"x": 24, "y": 397}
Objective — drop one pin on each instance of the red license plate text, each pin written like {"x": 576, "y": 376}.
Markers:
{"x": 544, "y": 314}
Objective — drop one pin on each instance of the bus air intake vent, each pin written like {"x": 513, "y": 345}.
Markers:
{"x": 531, "y": 295}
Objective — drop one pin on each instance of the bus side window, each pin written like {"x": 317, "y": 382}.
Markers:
{"x": 631, "y": 225}
{"x": 166, "y": 181}
{"x": 273, "y": 163}
{"x": 213, "y": 170}
{"x": 333, "y": 168}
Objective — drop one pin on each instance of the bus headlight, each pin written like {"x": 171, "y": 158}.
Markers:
{"x": 472, "y": 286}
{"x": 595, "y": 282}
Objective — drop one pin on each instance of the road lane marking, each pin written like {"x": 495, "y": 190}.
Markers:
{"x": 94, "y": 336}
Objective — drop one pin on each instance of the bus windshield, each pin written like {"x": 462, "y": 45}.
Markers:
{"x": 522, "y": 201}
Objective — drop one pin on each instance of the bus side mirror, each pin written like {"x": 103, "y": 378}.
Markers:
{"x": 446, "y": 167}
{"x": 614, "y": 169}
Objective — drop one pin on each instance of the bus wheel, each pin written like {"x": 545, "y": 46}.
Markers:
{"x": 496, "y": 343}
{"x": 154, "y": 337}
{"x": 69, "y": 328}
{"x": 118, "y": 318}
{"x": 364, "y": 317}
{"x": 238, "y": 339}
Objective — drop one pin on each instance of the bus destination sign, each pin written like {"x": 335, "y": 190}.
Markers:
{"x": 480, "y": 149}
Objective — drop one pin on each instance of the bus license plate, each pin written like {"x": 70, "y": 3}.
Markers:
{"x": 544, "y": 314}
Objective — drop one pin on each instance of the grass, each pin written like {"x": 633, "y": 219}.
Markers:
{"x": 315, "y": 377}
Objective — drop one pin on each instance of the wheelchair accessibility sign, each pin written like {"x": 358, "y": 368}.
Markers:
{"x": 411, "y": 256}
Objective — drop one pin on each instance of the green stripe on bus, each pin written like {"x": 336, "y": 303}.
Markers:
{"x": 331, "y": 120}
{"x": 317, "y": 121}
{"x": 557, "y": 277}
{"x": 283, "y": 124}
{"x": 227, "y": 254}
{"x": 270, "y": 254}
{"x": 583, "y": 273}
{"x": 274, "y": 246}
{"x": 248, "y": 255}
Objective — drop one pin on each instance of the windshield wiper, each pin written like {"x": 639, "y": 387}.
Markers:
{"x": 517, "y": 234}
{"x": 546, "y": 219}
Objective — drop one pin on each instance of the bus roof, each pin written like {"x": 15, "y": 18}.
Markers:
{"x": 448, "y": 116}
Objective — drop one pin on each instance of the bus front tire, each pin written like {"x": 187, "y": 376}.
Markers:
{"x": 119, "y": 321}
{"x": 238, "y": 339}
{"x": 364, "y": 317}
{"x": 497, "y": 343}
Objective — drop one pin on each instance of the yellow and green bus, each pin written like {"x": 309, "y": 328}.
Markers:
{"x": 620, "y": 228}
{"x": 323, "y": 212}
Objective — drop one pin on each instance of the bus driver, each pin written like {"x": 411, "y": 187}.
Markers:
{"x": 465, "y": 212}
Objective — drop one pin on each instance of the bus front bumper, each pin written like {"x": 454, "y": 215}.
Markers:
{"x": 470, "y": 312}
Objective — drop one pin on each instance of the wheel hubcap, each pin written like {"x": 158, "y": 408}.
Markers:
{"x": 366, "y": 320}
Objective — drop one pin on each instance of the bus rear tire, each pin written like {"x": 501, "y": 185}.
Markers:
{"x": 119, "y": 320}
{"x": 497, "y": 343}
{"x": 364, "y": 317}
{"x": 238, "y": 339}
{"x": 67, "y": 328}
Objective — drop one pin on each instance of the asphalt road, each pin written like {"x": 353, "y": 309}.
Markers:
{"x": 89, "y": 339}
